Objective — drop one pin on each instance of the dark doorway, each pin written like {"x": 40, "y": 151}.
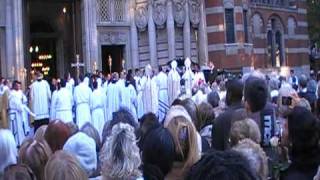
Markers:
{"x": 116, "y": 54}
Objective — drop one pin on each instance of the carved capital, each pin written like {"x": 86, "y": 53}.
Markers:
{"x": 141, "y": 18}
{"x": 194, "y": 12}
{"x": 179, "y": 12}
{"x": 113, "y": 38}
{"x": 159, "y": 12}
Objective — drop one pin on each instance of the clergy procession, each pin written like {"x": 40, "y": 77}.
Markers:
{"x": 171, "y": 122}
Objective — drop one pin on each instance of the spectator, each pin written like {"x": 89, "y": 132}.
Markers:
{"x": 243, "y": 129}
{"x": 19, "y": 172}
{"x": 227, "y": 165}
{"x": 57, "y": 134}
{"x": 8, "y": 150}
{"x": 35, "y": 154}
{"x": 222, "y": 124}
{"x": 255, "y": 155}
{"x": 308, "y": 91}
{"x": 39, "y": 135}
{"x": 204, "y": 124}
{"x": 187, "y": 141}
{"x": 92, "y": 132}
{"x": 120, "y": 155}
{"x": 158, "y": 142}
{"x": 303, "y": 135}
{"x": 191, "y": 108}
{"x": 63, "y": 166}
{"x": 148, "y": 122}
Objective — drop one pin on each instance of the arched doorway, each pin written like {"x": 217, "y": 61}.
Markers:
{"x": 275, "y": 45}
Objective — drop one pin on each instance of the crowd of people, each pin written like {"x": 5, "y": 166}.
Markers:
{"x": 161, "y": 124}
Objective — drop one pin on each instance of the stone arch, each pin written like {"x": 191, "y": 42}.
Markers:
{"x": 257, "y": 23}
{"x": 228, "y": 4}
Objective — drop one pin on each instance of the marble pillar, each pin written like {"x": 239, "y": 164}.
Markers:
{"x": 186, "y": 33}
{"x": 152, "y": 38}
{"x": 10, "y": 60}
{"x": 134, "y": 38}
{"x": 90, "y": 40}
{"x": 171, "y": 32}
{"x": 203, "y": 37}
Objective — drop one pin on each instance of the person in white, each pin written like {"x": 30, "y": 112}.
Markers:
{"x": 162, "y": 83}
{"x": 62, "y": 104}
{"x": 188, "y": 76}
{"x": 198, "y": 76}
{"x": 70, "y": 83}
{"x": 139, "y": 84}
{"x": 150, "y": 93}
{"x": 40, "y": 95}
{"x": 128, "y": 98}
{"x": 16, "y": 113}
{"x": 98, "y": 108}
{"x": 53, "y": 99}
{"x": 173, "y": 82}
{"x": 113, "y": 96}
{"x": 82, "y": 95}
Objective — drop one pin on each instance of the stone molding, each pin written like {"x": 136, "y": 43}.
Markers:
{"x": 159, "y": 12}
{"x": 113, "y": 38}
{"x": 194, "y": 12}
{"x": 141, "y": 18}
{"x": 179, "y": 12}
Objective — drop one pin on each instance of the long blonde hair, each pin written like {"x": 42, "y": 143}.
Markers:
{"x": 120, "y": 154}
{"x": 64, "y": 166}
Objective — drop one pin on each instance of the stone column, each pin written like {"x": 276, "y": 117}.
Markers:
{"x": 186, "y": 33}
{"x": 203, "y": 37}
{"x": 134, "y": 37}
{"x": 152, "y": 37}
{"x": 90, "y": 40}
{"x": 171, "y": 32}
{"x": 18, "y": 40}
{"x": 10, "y": 56}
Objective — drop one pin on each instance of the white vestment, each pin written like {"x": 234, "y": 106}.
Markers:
{"x": 162, "y": 83}
{"x": 82, "y": 95}
{"x": 98, "y": 108}
{"x": 198, "y": 77}
{"x": 26, "y": 112}
{"x": 139, "y": 85}
{"x": 129, "y": 99}
{"x": 52, "y": 108}
{"x": 173, "y": 85}
{"x": 70, "y": 85}
{"x": 40, "y": 99}
{"x": 150, "y": 96}
{"x": 199, "y": 97}
{"x": 113, "y": 99}
{"x": 188, "y": 77}
{"x": 16, "y": 110}
{"x": 62, "y": 105}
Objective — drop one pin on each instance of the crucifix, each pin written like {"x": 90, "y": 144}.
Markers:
{"x": 77, "y": 65}
{"x": 110, "y": 63}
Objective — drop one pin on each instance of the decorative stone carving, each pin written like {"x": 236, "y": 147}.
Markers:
{"x": 194, "y": 12}
{"x": 141, "y": 18}
{"x": 179, "y": 12}
{"x": 159, "y": 12}
{"x": 113, "y": 38}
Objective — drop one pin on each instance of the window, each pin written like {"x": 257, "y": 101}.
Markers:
{"x": 112, "y": 10}
{"x": 245, "y": 26}
{"x": 229, "y": 18}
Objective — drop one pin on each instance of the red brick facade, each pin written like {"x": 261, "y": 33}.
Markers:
{"x": 286, "y": 45}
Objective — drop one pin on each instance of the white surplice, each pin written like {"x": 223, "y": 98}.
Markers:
{"x": 16, "y": 110}
{"x": 113, "y": 99}
{"x": 98, "y": 110}
{"x": 139, "y": 85}
{"x": 188, "y": 77}
{"x": 25, "y": 114}
{"x": 40, "y": 99}
{"x": 150, "y": 93}
{"x": 82, "y": 95}
{"x": 70, "y": 85}
{"x": 52, "y": 108}
{"x": 162, "y": 83}
{"x": 129, "y": 99}
{"x": 173, "y": 83}
{"x": 62, "y": 105}
{"x": 198, "y": 77}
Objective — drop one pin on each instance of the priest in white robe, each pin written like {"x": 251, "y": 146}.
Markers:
{"x": 82, "y": 95}
{"x": 199, "y": 76}
{"x": 150, "y": 93}
{"x": 98, "y": 108}
{"x": 188, "y": 77}
{"x": 173, "y": 82}
{"x": 113, "y": 97}
{"x": 162, "y": 83}
{"x": 62, "y": 104}
{"x": 40, "y": 95}
{"x": 129, "y": 98}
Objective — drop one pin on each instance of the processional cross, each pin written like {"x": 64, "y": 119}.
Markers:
{"x": 77, "y": 64}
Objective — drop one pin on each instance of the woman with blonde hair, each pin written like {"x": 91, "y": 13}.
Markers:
{"x": 35, "y": 154}
{"x": 63, "y": 166}
{"x": 39, "y": 135}
{"x": 8, "y": 150}
{"x": 243, "y": 129}
{"x": 120, "y": 154}
{"x": 186, "y": 139}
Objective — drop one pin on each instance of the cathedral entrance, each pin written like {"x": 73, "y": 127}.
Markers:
{"x": 53, "y": 36}
{"x": 112, "y": 58}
